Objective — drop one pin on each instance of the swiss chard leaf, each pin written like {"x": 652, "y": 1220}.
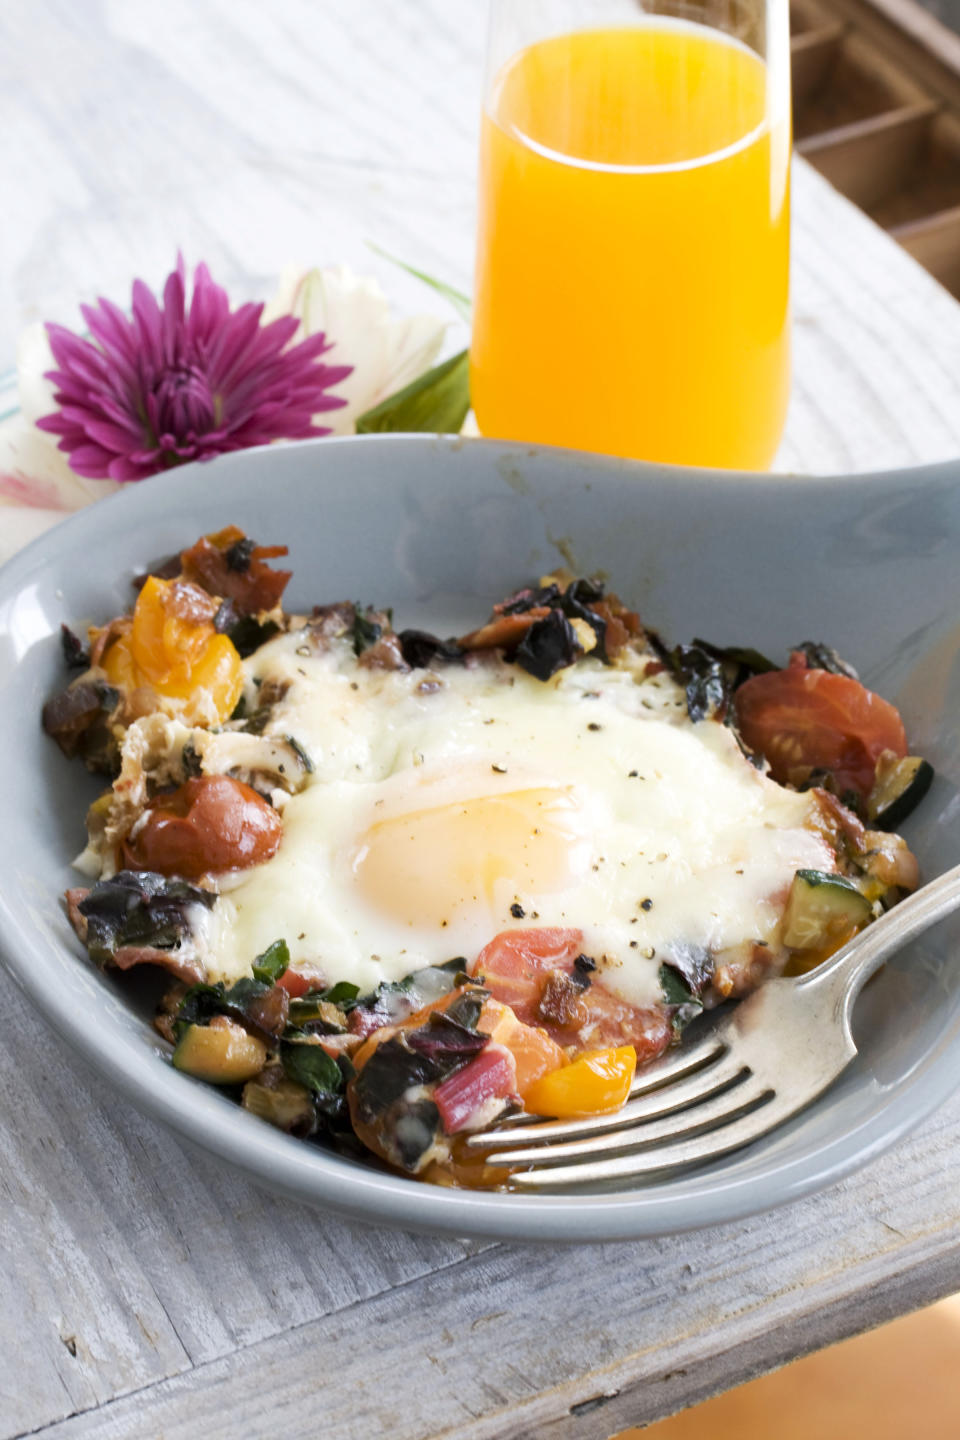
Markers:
{"x": 466, "y": 1008}
{"x": 246, "y": 632}
{"x": 447, "y": 1040}
{"x": 676, "y": 993}
{"x": 311, "y": 1067}
{"x": 413, "y": 1132}
{"x": 750, "y": 662}
{"x": 200, "y": 1004}
{"x": 257, "y": 721}
{"x": 344, "y": 994}
{"x": 301, "y": 754}
{"x": 394, "y": 999}
{"x": 674, "y": 987}
{"x": 705, "y": 684}
{"x": 244, "y": 992}
{"x": 391, "y": 1071}
{"x": 367, "y": 628}
{"x": 250, "y": 1001}
{"x": 313, "y": 1009}
{"x": 710, "y": 673}
{"x": 138, "y": 907}
{"x": 824, "y": 657}
{"x": 421, "y": 649}
{"x": 693, "y": 963}
{"x": 531, "y": 598}
{"x": 269, "y": 966}
{"x": 549, "y": 645}
{"x": 575, "y": 602}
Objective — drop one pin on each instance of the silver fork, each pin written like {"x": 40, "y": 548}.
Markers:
{"x": 760, "y": 1062}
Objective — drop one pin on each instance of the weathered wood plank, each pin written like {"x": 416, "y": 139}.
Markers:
{"x": 519, "y": 1340}
{"x": 125, "y": 1258}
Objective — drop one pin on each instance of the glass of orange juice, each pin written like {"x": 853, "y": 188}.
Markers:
{"x": 632, "y": 286}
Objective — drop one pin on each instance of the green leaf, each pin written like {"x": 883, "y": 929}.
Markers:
{"x": 202, "y": 1002}
{"x": 199, "y": 1005}
{"x": 343, "y": 993}
{"x": 300, "y": 753}
{"x": 366, "y": 629}
{"x": 675, "y": 990}
{"x": 311, "y": 1066}
{"x": 242, "y": 992}
{"x": 460, "y": 302}
{"x": 436, "y": 403}
{"x": 269, "y": 966}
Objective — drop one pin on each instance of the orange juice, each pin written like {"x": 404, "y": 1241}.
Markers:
{"x": 632, "y": 290}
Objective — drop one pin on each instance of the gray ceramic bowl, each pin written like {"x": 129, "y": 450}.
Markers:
{"x": 439, "y": 528}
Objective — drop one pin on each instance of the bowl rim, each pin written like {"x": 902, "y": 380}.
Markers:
{"x": 307, "y": 1173}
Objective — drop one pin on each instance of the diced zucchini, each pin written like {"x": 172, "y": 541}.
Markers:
{"x": 887, "y": 863}
{"x": 823, "y": 910}
{"x": 221, "y": 1052}
{"x": 280, "y": 1101}
{"x": 898, "y": 790}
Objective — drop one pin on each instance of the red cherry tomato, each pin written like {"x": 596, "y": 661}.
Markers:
{"x": 207, "y": 826}
{"x": 297, "y": 984}
{"x": 516, "y": 963}
{"x": 801, "y": 719}
{"x": 531, "y": 970}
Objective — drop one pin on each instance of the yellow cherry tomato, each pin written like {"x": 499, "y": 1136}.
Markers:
{"x": 174, "y": 649}
{"x": 596, "y": 1083}
{"x": 118, "y": 663}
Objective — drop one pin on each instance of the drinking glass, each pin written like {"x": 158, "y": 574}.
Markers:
{"x": 632, "y": 287}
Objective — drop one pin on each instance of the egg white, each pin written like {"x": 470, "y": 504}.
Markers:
{"x": 444, "y": 808}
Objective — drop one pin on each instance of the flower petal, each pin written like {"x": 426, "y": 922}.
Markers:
{"x": 180, "y": 380}
{"x": 353, "y": 313}
{"x": 34, "y": 358}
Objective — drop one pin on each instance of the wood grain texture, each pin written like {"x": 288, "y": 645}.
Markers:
{"x": 124, "y": 1258}
{"x": 526, "y": 1340}
{"x": 144, "y": 1289}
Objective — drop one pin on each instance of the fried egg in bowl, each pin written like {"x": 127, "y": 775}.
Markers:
{"x": 414, "y": 885}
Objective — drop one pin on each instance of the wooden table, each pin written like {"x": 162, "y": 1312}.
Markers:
{"x": 144, "y": 1290}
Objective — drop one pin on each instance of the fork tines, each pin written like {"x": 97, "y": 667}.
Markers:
{"x": 695, "y": 1106}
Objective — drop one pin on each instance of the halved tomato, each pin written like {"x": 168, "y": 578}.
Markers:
{"x": 515, "y": 965}
{"x": 209, "y": 825}
{"x": 536, "y": 973}
{"x": 801, "y": 720}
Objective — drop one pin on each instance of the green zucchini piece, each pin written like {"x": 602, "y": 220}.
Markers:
{"x": 898, "y": 790}
{"x": 222, "y": 1053}
{"x": 280, "y": 1101}
{"x": 823, "y": 909}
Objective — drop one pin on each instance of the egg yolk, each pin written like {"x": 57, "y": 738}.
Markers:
{"x": 428, "y": 866}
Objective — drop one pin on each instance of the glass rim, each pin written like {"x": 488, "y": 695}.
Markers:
{"x": 646, "y": 20}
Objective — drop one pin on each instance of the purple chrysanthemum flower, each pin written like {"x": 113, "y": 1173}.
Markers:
{"x": 172, "y": 384}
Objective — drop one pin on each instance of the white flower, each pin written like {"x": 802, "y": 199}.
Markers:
{"x": 386, "y": 353}
{"x": 34, "y": 358}
{"x": 37, "y": 486}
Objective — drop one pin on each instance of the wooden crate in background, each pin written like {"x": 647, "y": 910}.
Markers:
{"x": 877, "y": 111}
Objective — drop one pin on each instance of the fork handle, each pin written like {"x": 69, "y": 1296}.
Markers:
{"x": 850, "y": 968}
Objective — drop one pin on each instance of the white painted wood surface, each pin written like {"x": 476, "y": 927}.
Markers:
{"x": 143, "y": 1289}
